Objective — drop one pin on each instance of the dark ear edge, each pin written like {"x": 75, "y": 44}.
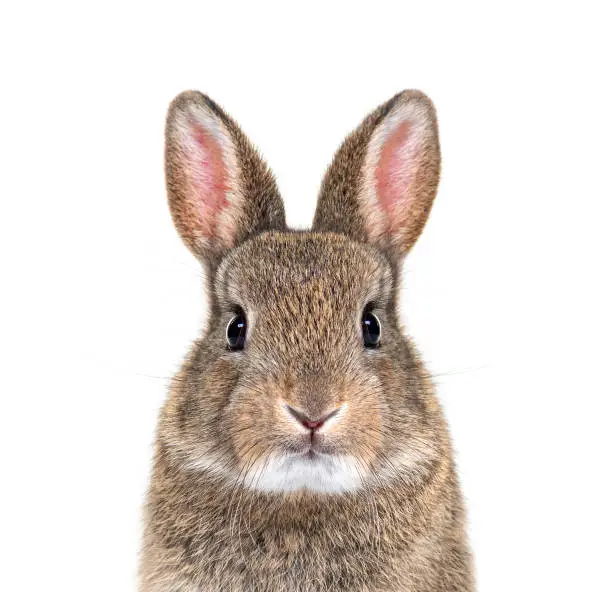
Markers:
{"x": 383, "y": 179}
{"x": 220, "y": 191}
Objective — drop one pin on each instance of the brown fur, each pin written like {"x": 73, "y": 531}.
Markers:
{"x": 207, "y": 529}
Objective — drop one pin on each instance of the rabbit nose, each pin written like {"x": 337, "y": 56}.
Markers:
{"x": 307, "y": 422}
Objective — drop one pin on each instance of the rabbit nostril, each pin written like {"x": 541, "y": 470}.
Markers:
{"x": 306, "y": 421}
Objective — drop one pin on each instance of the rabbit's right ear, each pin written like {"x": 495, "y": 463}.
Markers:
{"x": 382, "y": 182}
{"x": 219, "y": 189}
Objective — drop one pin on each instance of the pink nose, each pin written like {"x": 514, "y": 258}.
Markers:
{"x": 313, "y": 425}
{"x": 306, "y": 421}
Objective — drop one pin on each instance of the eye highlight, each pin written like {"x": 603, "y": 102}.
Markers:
{"x": 235, "y": 333}
{"x": 370, "y": 326}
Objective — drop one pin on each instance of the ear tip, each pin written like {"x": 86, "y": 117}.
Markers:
{"x": 413, "y": 94}
{"x": 414, "y": 97}
{"x": 185, "y": 99}
{"x": 189, "y": 99}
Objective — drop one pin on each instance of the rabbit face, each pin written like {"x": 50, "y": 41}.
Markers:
{"x": 307, "y": 409}
{"x": 303, "y": 379}
{"x": 305, "y": 405}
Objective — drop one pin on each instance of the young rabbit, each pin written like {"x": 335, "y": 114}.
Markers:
{"x": 302, "y": 447}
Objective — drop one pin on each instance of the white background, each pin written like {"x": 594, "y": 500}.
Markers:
{"x": 507, "y": 293}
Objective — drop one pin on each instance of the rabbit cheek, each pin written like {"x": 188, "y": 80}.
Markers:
{"x": 251, "y": 424}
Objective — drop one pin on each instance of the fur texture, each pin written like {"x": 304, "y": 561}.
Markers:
{"x": 244, "y": 496}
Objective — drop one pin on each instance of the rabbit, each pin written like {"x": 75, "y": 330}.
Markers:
{"x": 302, "y": 447}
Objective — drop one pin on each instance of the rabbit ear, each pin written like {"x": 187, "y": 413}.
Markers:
{"x": 383, "y": 179}
{"x": 219, "y": 190}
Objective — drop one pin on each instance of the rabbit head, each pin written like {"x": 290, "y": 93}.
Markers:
{"x": 302, "y": 380}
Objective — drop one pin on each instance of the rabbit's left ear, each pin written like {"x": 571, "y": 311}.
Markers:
{"x": 382, "y": 182}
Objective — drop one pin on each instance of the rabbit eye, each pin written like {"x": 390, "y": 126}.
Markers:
{"x": 236, "y": 332}
{"x": 370, "y": 325}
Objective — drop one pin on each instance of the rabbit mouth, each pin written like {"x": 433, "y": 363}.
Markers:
{"x": 311, "y": 446}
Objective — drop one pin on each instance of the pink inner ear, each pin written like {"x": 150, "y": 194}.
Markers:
{"x": 208, "y": 176}
{"x": 395, "y": 174}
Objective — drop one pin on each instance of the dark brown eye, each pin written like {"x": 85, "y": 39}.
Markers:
{"x": 370, "y": 325}
{"x": 236, "y": 332}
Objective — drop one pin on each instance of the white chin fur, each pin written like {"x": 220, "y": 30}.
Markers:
{"x": 323, "y": 474}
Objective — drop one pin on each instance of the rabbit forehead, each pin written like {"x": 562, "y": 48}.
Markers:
{"x": 277, "y": 264}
